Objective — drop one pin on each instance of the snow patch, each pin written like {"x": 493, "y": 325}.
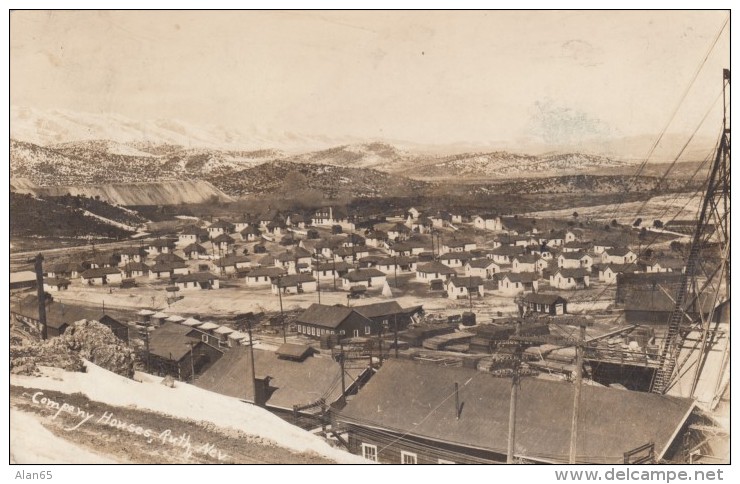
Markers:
{"x": 186, "y": 402}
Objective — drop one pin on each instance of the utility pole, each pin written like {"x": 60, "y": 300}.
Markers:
{"x": 341, "y": 364}
{"x": 280, "y": 295}
{"x": 433, "y": 254}
{"x": 41, "y": 295}
{"x": 334, "y": 270}
{"x": 395, "y": 271}
{"x": 251, "y": 358}
{"x": 318, "y": 278}
{"x": 192, "y": 364}
{"x": 577, "y": 395}
{"x": 146, "y": 339}
{"x": 395, "y": 333}
{"x": 514, "y": 397}
{"x": 470, "y": 295}
{"x": 380, "y": 345}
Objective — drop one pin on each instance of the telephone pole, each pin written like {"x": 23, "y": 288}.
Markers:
{"x": 41, "y": 295}
{"x": 577, "y": 395}
{"x": 282, "y": 316}
{"x": 513, "y": 399}
{"x": 251, "y": 357}
{"x": 318, "y": 278}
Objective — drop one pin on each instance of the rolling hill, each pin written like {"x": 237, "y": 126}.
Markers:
{"x": 287, "y": 177}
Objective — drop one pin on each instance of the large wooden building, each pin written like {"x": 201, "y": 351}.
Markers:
{"x": 417, "y": 413}
{"x": 321, "y": 319}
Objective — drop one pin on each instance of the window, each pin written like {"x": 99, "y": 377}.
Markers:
{"x": 408, "y": 457}
{"x": 341, "y": 331}
{"x": 367, "y": 329}
{"x": 356, "y": 333}
{"x": 444, "y": 461}
{"x": 204, "y": 338}
{"x": 370, "y": 452}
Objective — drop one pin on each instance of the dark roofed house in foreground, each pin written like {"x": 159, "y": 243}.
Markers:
{"x": 390, "y": 314}
{"x": 408, "y": 413}
{"x": 551, "y": 304}
{"x": 175, "y": 350}
{"x": 286, "y": 379}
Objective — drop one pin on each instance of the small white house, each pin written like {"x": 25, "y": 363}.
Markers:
{"x": 132, "y": 254}
{"x": 608, "y": 274}
{"x": 294, "y": 284}
{"x": 455, "y": 259}
{"x": 53, "y": 284}
{"x": 512, "y": 284}
{"x": 487, "y": 222}
{"x": 433, "y": 270}
{"x": 232, "y": 263}
{"x": 223, "y": 243}
{"x": 370, "y": 278}
{"x": 194, "y": 251}
{"x": 458, "y": 246}
{"x": 220, "y": 227}
{"x": 330, "y": 270}
{"x": 251, "y": 233}
{"x": 262, "y": 276}
{"x": 528, "y": 263}
{"x": 100, "y": 276}
{"x": 192, "y": 235}
{"x": 570, "y": 279}
{"x": 484, "y": 268}
{"x": 505, "y": 253}
{"x": 465, "y": 287}
{"x": 618, "y": 255}
{"x": 575, "y": 260}
{"x": 576, "y": 246}
{"x": 135, "y": 269}
{"x": 666, "y": 265}
{"x": 197, "y": 281}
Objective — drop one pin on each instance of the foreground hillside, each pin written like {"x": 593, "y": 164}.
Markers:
{"x": 214, "y": 428}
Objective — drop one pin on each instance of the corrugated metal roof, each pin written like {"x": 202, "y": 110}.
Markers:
{"x": 295, "y": 383}
{"x": 417, "y": 399}
{"x": 380, "y": 309}
{"x": 326, "y": 316}
{"x": 170, "y": 341}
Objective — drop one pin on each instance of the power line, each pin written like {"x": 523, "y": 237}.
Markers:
{"x": 678, "y": 106}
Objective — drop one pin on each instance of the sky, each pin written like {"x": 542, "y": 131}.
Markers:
{"x": 545, "y": 78}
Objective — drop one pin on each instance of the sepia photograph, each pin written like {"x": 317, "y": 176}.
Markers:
{"x": 370, "y": 237}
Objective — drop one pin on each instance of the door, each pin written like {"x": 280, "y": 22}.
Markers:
{"x": 559, "y": 309}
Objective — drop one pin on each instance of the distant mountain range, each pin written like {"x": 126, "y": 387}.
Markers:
{"x": 58, "y": 148}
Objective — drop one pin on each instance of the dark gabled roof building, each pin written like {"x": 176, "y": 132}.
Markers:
{"x": 552, "y": 304}
{"x": 321, "y": 319}
{"x": 408, "y": 413}
{"x": 282, "y": 383}
{"x": 176, "y": 350}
